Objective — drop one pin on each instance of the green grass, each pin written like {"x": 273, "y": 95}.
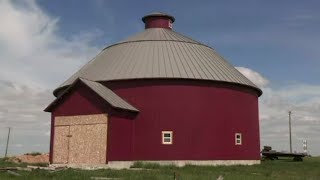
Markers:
{"x": 309, "y": 169}
{"x": 5, "y": 163}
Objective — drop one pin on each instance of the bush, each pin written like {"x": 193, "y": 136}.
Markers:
{"x": 5, "y": 159}
{"x": 33, "y": 153}
{"x": 148, "y": 165}
{"x": 139, "y": 164}
{"x": 40, "y": 164}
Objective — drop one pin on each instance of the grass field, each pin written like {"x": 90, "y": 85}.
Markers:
{"x": 309, "y": 169}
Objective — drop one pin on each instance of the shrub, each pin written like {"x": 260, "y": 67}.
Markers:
{"x": 33, "y": 153}
{"x": 148, "y": 165}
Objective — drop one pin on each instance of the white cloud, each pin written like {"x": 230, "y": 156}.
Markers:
{"x": 254, "y": 76}
{"x": 30, "y": 45}
{"x": 17, "y": 145}
{"x": 304, "y": 102}
{"x": 34, "y": 59}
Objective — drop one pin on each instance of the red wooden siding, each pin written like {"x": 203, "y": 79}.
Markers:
{"x": 204, "y": 117}
{"x": 51, "y": 138}
{"x": 157, "y": 22}
{"x": 120, "y": 139}
{"x": 81, "y": 101}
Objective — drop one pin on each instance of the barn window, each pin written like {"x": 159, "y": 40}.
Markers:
{"x": 170, "y": 24}
{"x": 238, "y": 138}
{"x": 166, "y": 137}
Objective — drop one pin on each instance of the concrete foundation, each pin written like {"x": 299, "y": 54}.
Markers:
{"x": 179, "y": 163}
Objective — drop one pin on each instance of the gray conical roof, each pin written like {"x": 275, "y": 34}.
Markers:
{"x": 159, "y": 53}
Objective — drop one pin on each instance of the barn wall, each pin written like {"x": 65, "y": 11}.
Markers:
{"x": 120, "y": 139}
{"x": 81, "y": 101}
{"x": 204, "y": 118}
{"x": 52, "y": 131}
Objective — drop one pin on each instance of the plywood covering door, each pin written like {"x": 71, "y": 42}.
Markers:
{"x": 61, "y": 142}
{"x": 88, "y": 144}
{"x": 80, "y": 139}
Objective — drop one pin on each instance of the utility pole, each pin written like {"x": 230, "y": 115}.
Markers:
{"x": 290, "y": 131}
{"x": 7, "y": 142}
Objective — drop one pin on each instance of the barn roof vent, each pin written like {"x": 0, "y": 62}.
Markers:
{"x": 158, "y": 20}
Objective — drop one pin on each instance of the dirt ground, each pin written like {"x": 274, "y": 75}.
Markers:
{"x": 28, "y": 158}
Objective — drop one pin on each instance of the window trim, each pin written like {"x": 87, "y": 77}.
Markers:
{"x": 170, "y": 138}
{"x": 170, "y": 24}
{"x": 236, "y": 139}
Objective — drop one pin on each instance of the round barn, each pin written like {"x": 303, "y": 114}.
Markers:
{"x": 158, "y": 96}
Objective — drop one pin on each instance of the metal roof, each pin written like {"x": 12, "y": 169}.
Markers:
{"x": 108, "y": 95}
{"x": 105, "y": 93}
{"x": 160, "y": 53}
{"x": 159, "y": 34}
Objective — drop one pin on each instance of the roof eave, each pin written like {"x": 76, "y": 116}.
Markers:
{"x": 254, "y": 87}
{"x": 68, "y": 89}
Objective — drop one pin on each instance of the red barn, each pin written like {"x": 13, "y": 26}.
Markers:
{"x": 158, "y": 96}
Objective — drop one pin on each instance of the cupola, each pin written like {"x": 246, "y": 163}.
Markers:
{"x": 158, "y": 20}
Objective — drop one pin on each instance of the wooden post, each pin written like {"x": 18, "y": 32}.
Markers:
{"x": 290, "y": 132}
{"x": 5, "y": 155}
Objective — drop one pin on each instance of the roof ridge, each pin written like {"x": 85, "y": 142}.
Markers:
{"x": 169, "y": 35}
{"x": 157, "y": 40}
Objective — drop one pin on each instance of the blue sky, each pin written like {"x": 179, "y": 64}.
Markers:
{"x": 279, "y": 39}
{"x": 274, "y": 43}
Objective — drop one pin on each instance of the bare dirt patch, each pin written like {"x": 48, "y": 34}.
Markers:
{"x": 30, "y": 159}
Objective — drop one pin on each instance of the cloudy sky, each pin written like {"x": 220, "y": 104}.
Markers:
{"x": 275, "y": 44}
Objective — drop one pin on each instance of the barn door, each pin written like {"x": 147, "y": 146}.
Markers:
{"x": 88, "y": 144}
{"x": 80, "y": 139}
{"x": 61, "y": 141}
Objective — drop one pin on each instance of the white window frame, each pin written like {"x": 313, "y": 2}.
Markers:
{"x": 236, "y": 139}
{"x": 170, "y": 24}
{"x": 170, "y": 138}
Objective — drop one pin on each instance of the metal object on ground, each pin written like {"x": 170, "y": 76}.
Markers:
{"x": 270, "y": 154}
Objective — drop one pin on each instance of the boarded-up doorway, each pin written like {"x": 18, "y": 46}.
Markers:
{"x": 80, "y": 139}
